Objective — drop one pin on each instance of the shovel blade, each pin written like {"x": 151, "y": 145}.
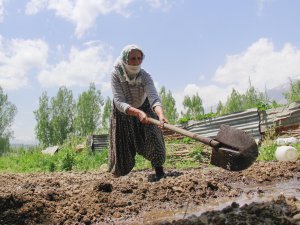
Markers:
{"x": 238, "y": 150}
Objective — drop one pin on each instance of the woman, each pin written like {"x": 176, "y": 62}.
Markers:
{"x": 135, "y": 98}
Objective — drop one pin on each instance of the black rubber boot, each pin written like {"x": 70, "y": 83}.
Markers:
{"x": 159, "y": 173}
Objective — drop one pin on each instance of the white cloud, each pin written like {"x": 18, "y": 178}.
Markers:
{"x": 17, "y": 58}
{"x": 80, "y": 69}
{"x": 265, "y": 66}
{"x": 261, "y": 5}
{"x": 202, "y": 77}
{"x": 2, "y": 10}
{"x": 83, "y": 13}
{"x": 210, "y": 95}
{"x": 34, "y": 6}
{"x": 165, "y": 5}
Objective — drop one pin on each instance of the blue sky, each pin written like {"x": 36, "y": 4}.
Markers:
{"x": 191, "y": 46}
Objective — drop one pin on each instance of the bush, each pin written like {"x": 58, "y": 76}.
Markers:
{"x": 24, "y": 160}
{"x": 197, "y": 153}
{"x": 68, "y": 161}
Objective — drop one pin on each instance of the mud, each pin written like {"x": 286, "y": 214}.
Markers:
{"x": 266, "y": 193}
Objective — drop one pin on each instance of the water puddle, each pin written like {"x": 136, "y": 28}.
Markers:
{"x": 257, "y": 193}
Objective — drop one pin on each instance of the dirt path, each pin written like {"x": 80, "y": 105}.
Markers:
{"x": 98, "y": 198}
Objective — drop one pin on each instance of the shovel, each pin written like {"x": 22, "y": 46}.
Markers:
{"x": 233, "y": 149}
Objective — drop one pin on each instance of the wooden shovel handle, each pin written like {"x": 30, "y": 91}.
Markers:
{"x": 205, "y": 140}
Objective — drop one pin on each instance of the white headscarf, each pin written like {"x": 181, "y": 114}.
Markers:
{"x": 122, "y": 67}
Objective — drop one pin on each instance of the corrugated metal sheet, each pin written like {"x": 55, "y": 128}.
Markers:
{"x": 247, "y": 121}
{"x": 251, "y": 121}
{"x": 287, "y": 116}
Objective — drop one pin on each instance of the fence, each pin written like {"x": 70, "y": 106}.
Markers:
{"x": 251, "y": 121}
{"x": 98, "y": 142}
{"x": 283, "y": 118}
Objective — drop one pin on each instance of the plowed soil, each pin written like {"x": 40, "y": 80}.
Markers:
{"x": 99, "y": 198}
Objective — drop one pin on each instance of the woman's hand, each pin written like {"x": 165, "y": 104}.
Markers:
{"x": 159, "y": 112}
{"x": 143, "y": 118}
{"x": 162, "y": 120}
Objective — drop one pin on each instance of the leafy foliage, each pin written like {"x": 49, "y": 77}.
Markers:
{"x": 197, "y": 153}
{"x": 28, "y": 160}
{"x": 4, "y": 145}
{"x": 55, "y": 120}
{"x": 187, "y": 140}
{"x": 68, "y": 161}
{"x": 293, "y": 94}
{"x": 42, "y": 115}
{"x": 234, "y": 103}
{"x": 107, "y": 110}
{"x": 168, "y": 103}
{"x": 193, "y": 106}
{"x": 62, "y": 116}
{"x": 7, "y": 114}
{"x": 268, "y": 147}
{"x": 237, "y": 102}
{"x": 88, "y": 109}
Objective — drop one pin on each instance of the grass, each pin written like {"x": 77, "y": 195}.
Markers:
{"x": 28, "y": 160}
{"x": 268, "y": 147}
{"x": 33, "y": 160}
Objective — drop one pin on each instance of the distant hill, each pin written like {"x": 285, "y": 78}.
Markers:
{"x": 26, "y": 146}
{"x": 277, "y": 93}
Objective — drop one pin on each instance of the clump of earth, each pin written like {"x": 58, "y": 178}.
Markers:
{"x": 265, "y": 193}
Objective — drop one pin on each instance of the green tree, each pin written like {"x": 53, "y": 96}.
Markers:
{"x": 253, "y": 98}
{"x": 42, "y": 116}
{"x": 8, "y": 112}
{"x": 107, "y": 110}
{"x": 220, "y": 108}
{"x": 88, "y": 111}
{"x": 62, "y": 115}
{"x": 169, "y": 105}
{"x": 193, "y": 106}
{"x": 234, "y": 103}
{"x": 293, "y": 94}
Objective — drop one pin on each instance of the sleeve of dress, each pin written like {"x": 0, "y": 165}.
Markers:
{"x": 118, "y": 95}
{"x": 151, "y": 91}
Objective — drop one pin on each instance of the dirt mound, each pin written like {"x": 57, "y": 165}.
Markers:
{"x": 280, "y": 211}
{"x": 99, "y": 198}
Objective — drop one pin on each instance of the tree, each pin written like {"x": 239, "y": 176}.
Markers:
{"x": 253, "y": 98}
{"x": 250, "y": 98}
{"x": 193, "y": 106}
{"x": 107, "y": 110}
{"x": 42, "y": 116}
{"x": 62, "y": 112}
{"x": 234, "y": 103}
{"x": 168, "y": 103}
{"x": 8, "y": 112}
{"x": 88, "y": 111}
{"x": 293, "y": 94}
{"x": 220, "y": 108}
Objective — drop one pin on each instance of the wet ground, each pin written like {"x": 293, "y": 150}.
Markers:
{"x": 266, "y": 193}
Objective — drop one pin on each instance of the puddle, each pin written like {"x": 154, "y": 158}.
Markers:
{"x": 256, "y": 193}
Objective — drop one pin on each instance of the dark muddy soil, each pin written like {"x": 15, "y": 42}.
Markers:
{"x": 99, "y": 198}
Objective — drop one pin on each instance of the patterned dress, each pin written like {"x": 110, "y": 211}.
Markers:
{"x": 129, "y": 136}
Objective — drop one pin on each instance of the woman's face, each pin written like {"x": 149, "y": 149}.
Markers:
{"x": 135, "y": 58}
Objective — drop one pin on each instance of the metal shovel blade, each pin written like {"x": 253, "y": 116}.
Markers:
{"x": 237, "y": 151}
{"x": 233, "y": 149}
